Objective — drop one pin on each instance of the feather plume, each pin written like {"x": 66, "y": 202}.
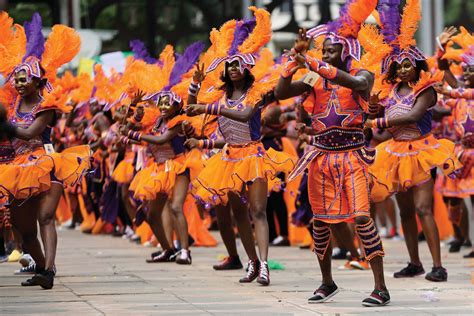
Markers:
{"x": 390, "y": 21}
{"x": 427, "y": 79}
{"x": 263, "y": 64}
{"x": 261, "y": 34}
{"x": 225, "y": 38}
{"x": 357, "y": 11}
{"x": 62, "y": 45}
{"x": 34, "y": 37}
{"x": 410, "y": 19}
{"x": 184, "y": 63}
{"x": 140, "y": 51}
{"x": 167, "y": 60}
{"x": 241, "y": 33}
{"x": 12, "y": 52}
{"x": 6, "y": 25}
{"x": 374, "y": 46}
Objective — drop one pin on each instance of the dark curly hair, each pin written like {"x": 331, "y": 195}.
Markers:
{"x": 228, "y": 87}
{"x": 392, "y": 70}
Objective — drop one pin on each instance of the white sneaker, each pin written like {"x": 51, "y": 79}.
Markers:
{"x": 383, "y": 232}
{"x": 26, "y": 260}
{"x": 277, "y": 240}
{"x": 336, "y": 251}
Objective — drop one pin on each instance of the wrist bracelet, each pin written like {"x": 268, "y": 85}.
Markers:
{"x": 381, "y": 122}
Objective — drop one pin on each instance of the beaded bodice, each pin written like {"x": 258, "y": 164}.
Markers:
{"x": 169, "y": 150}
{"x": 235, "y": 132}
{"x": 25, "y": 120}
{"x": 332, "y": 105}
{"x": 396, "y": 105}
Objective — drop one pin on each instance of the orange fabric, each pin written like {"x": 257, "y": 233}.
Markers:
{"x": 144, "y": 231}
{"x": 400, "y": 165}
{"x": 63, "y": 211}
{"x": 156, "y": 178}
{"x": 196, "y": 226}
{"x": 233, "y": 167}
{"x": 123, "y": 173}
{"x": 296, "y": 235}
{"x": 324, "y": 100}
{"x": 445, "y": 228}
{"x": 338, "y": 187}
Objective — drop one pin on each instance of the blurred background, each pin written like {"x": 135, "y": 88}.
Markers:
{"x": 107, "y": 26}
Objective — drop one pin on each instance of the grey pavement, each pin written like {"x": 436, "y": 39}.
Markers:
{"x": 100, "y": 275}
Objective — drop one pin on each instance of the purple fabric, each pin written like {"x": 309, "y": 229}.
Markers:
{"x": 140, "y": 52}
{"x": 241, "y": 33}
{"x": 110, "y": 202}
{"x": 390, "y": 18}
{"x": 34, "y": 37}
{"x": 184, "y": 63}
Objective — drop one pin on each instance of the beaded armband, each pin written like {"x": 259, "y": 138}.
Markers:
{"x": 137, "y": 136}
{"x": 194, "y": 88}
{"x": 381, "y": 122}
{"x": 213, "y": 109}
{"x": 206, "y": 144}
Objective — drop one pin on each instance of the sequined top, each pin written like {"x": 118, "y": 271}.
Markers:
{"x": 169, "y": 150}
{"x": 396, "y": 105}
{"x": 235, "y": 132}
{"x": 463, "y": 119}
{"x": 25, "y": 120}
{"x": 332, "y": 105}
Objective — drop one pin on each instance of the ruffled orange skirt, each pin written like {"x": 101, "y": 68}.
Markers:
{"x": 232, "y": 168}
{"x": 123, "y": 173}
{"x": 161, "y": 177}
{"x": 31, "y": 174}
{"x": 400, "y": 165}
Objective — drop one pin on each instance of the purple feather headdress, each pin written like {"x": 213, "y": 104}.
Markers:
{"x": 391, "y": 21}
{"x": 140, "y": 52}
{"x": 389, "y": 13}
{"x": 183, "y": 64}
{"x": 344, "y": 30}
{"x": 34, "y": 51}
{"x": 34, "y": 37}
{"x": 241, "y": 33}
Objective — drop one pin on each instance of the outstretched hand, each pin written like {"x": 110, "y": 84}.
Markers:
{"x": 199, "y": 74}
{"x": 446, "y": 35}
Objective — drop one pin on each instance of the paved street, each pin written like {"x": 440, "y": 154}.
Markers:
{"x": 106, "y": 275}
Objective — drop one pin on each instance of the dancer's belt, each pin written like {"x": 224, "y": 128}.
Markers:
{"x": 339, "y": 139}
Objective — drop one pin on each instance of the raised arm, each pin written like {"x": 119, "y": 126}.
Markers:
{"x": 163, "y": 138}
{"x": 424, "y": 101}
{"x": 443, "y": 64}
{"x": 43, "y": 119}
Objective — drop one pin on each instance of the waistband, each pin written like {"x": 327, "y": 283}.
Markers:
{"x": 339, "y": 139}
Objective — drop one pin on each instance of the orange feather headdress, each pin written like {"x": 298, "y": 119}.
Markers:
{"x": 242, "y": 40}
{"x": 25, "y": 49}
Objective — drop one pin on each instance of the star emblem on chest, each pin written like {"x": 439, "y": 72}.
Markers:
{"x": 332, "y": 116}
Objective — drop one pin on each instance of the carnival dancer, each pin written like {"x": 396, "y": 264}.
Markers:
{"x": 40, "y": 173}
{"x": 164, "y": 183}
{"x": 338, "y": 179}
{"x": 243, "y": 163}
{"x": 460, "y": 100}
{"x": 404, "y": 163}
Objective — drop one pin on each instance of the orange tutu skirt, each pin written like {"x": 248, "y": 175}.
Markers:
{"x": 235, "y": 166}
{"x": 124, "y": 171}
{"x": 30, "y": 174}
{"x": 161, "y": 177}
{"x": 400, "y": 165}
